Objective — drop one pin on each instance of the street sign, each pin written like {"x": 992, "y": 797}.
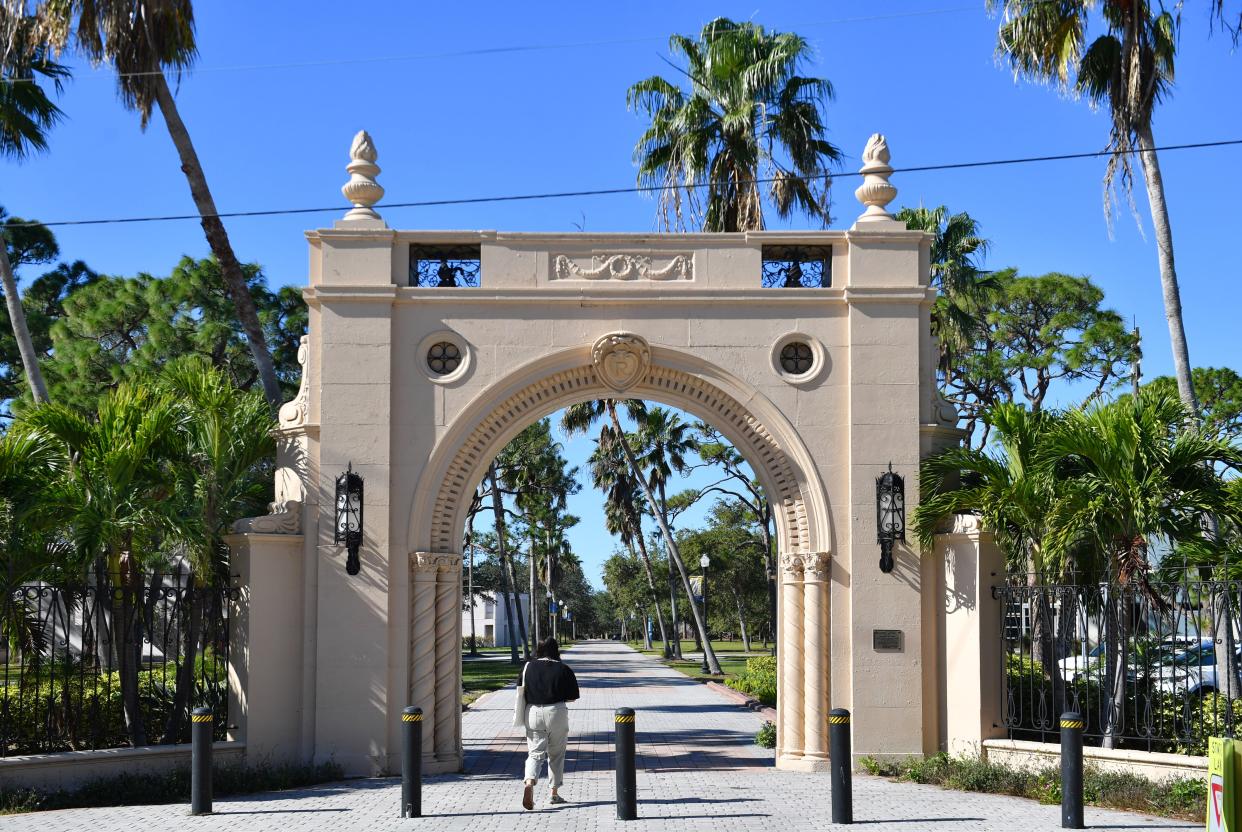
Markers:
{"x": 1220, "y": 802}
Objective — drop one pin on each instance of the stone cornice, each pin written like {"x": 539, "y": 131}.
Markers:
{"x": 345, "y": 293}
{"x": 624, "y": 294}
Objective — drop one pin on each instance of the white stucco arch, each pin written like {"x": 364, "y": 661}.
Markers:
{"x": 741, "y": 413}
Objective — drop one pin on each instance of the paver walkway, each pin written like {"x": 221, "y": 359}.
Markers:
{"x": 698, "y": 770}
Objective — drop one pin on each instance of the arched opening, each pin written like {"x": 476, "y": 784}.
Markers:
{"x": 741, "y": 413}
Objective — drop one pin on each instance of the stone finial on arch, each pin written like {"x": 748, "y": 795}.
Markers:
{"x": 621, "y": 359}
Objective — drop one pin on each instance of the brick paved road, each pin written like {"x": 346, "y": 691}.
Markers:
{"x": 698, "y": 770}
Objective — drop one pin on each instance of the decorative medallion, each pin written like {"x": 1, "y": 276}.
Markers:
{"x": 624, "y": 267}
{"x": 621, "y": 359}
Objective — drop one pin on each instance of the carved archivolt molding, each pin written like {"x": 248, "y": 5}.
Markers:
{"x": 660, "y": 383}
{"x": 283, "y": 517}
{"x": 621, "y": 359}
{"x": 295, "y": 412}
{"x": 624, "y": 267}
{"x": 434, "y": 562}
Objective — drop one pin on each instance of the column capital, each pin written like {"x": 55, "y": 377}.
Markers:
{"x": 431, "y": 563}
{"x": 792, "y": 565}
{"x": 816, "y": 566}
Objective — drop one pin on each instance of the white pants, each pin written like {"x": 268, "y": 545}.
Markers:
{"x": 547, "y": 734}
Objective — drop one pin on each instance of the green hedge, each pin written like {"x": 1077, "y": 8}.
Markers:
{"x": 757, "y": 680}
{"x": 68, "y": 708}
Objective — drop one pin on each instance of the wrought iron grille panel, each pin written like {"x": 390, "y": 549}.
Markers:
{"x": 83, "y": 662}
{"x": 1147, "y": 671}
{"x": 444, "y": 266}
{"x": 797, "y": 267}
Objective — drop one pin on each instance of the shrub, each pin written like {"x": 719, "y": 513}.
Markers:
{"x": 1175, "y": 798}
{"x": 757, "y": 680}
{"x": 766, "y": 738}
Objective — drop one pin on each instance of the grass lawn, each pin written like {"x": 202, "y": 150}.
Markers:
{"x": 730, "y": 654}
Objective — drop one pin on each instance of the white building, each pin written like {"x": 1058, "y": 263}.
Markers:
{"x": 491, "y": 627}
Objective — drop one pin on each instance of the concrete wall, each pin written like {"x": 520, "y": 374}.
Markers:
{"x": 70, "y": 769}
{"x": 1150, "y": 764}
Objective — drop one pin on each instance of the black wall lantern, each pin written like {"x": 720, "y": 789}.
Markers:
{"x": 890, "y": 515}
{"x": 349, "y": 516}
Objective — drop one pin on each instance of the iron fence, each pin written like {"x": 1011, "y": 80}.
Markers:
{"x": 1150, "y": 668}
{"x": 111, "y": 660}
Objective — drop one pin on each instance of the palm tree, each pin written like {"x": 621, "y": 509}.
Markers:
{"x": 141, "y": 38}
{"x": 26, "y": 115}
{"x": 665, "y": 441}
{"x": 226, "y": 441}
{"x": 1129, "y": 70}
{"x": 1130, "y": 473}
{"x": 748, "y": 114}
{"x": 115, "y": 493}
{"x": 622, "y": 517}
{"x": 1010, "y": 492}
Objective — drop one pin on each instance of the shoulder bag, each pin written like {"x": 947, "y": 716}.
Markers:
{"x": 519, "y": 701}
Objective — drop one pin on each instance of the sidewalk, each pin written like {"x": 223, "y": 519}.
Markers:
{"x": 698, "y": 769}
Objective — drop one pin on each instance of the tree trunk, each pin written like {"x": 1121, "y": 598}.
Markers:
{"x": 655, "y": 597}
{"x": 21, "y": 332}
{"x": 130, "y": 654}
{"x": 1223, "y": 629}
{"x": 474, "y": 644}
{"x": 673, "y": 650}
{"x": 1168, "y": 273}
{"x": 180, "y": 711}
{"x": 536, "y": 610}
{"x": 218, "y": 240}
{"x": 1115, "y": 664}
{"x": 741, "y": 621}
{"x": 506, "y": 580}
{"x": 713, "y": 664}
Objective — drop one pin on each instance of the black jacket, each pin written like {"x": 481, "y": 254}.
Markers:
{"x": 549, "y": 682}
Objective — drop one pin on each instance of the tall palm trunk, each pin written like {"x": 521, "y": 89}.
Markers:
{"x": 536, "y": 610}
{"x": 180, "y": 710}
{"x": 21, "y": 332}
{"x": 218, "y": 240}
{"x": 507, "y": 583}
{"x": 655, "y": 596}
{"x": 657, "y": 509}
{"x": 1115, "y": 666}
{"x": 1168, "y": 273}
{"x": 130, "y": 652}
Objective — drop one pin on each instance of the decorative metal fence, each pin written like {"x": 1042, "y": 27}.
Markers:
{"x": 110, "y": 661}
{"x": 1150, "y": 670}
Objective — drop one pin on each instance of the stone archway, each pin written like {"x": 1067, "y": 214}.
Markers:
{"x": 623, "y": 364}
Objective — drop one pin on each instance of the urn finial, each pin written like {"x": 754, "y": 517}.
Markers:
{"x": 875, "y": 192}
{"x": 362, "y": 190}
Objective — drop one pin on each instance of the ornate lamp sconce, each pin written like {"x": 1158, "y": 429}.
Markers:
{"x": 890, "y": 515}
{"x": 349, "y": 516}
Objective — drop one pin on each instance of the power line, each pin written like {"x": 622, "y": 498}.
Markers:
{"x": 636, "y": 189}
{"x": 501, "y": 50}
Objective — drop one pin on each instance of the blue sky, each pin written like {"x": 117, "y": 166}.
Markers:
{"x": 281, "y": 87}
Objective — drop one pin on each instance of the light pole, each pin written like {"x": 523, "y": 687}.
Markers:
{"x": 704, "y": 562}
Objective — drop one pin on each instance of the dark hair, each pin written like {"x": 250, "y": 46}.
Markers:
{"x": 548, "y": 649}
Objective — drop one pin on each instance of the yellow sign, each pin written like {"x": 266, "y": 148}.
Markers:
{"x": 1220, "y": 804}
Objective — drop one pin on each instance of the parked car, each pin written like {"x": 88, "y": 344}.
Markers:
{"x": 1190, "y": 671}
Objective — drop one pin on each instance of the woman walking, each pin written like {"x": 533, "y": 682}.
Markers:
{"x": 548, "y": 684}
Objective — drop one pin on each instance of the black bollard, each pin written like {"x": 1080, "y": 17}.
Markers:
{"x": 200, "y": 761}
{"x": 841, "y": 764}
{"x": 627, "y": 782}
{"x": 412, "y": 762}
{"x": 1071, "y": 770}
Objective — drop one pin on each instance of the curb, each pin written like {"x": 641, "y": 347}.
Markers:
{"x": 742, "y": 699}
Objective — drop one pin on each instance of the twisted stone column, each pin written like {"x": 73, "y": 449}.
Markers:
{"x": 815, "y": 571}
{"x": 423, "y": 641}
{"x": 448, "y": 655}
{"x": 790, "y": 628}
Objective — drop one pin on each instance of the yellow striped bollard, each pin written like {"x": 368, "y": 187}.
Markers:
{"x": 201, "y": 730}
{"x": 627, "y": 780}
{"x": 412, "y": 762}
{"x": 841, "y": 766}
